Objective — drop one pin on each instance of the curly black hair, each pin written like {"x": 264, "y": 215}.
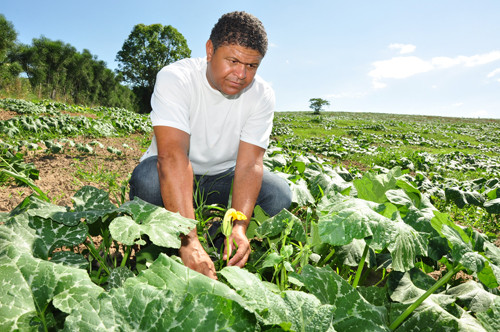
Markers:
{"x": 240, "y": 28}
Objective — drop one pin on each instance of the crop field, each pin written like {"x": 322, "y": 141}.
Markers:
{"x": 394, "y": 226}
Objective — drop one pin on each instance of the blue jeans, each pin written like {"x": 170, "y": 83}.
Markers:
{"x": 275, "y": 194}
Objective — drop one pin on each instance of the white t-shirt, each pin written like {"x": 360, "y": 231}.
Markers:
{"x": 216, "y": 123}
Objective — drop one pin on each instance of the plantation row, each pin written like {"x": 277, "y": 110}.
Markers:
{"x": 372, "y": 250}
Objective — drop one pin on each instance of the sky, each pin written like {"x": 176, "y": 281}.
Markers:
{"x": 424, "y": 57}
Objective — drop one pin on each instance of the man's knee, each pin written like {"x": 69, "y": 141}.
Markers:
{"x": 275, "y": 194}
{"x": 144, "y": 182}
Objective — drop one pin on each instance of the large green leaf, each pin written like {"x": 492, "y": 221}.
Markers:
{"x": 490, "y": 318}
{"x": 300, "y": 193}
{"x": 268, "y": 305}
{"x": 372, "y": 187}
{"x": 493, "y": 206}
{"x": 439, "y": 312}
{"x": 350, "y": 218}
{"x": 167, "y": 273}
{"x": 463, "y": 251}
{"x": 283, "y": 220}
{"x": 352, "y": 311}
{"x": 90, "y": 204}
{"x": 51, "y": 235}
{"x": 307, "y": 313}
{"x": 472, "y": 296}
{"x": 297, "y": 310}
{"x": 162, "y": 226}
{"x": 146, "y": 308}
{"x": 351, "y": 254}
{"x": 30, "y": 284}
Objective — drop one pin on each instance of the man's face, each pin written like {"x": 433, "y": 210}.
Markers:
{"x": 231, "y": 68}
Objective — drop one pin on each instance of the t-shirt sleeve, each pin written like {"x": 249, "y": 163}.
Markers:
{"x": 258, "y": 127}
{"x": 170, "y": 100}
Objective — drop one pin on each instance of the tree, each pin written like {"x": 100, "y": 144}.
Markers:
{"x": 148, "y": 49}
{"x": 57, "y": 71}
{"x": 316, "y": 104}
{"x": 8, "y": 37}
{"x": 9, "y": 71}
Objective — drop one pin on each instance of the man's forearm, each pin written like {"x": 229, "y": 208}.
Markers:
{"x": 246, "y": 188}
{"x": 176, "y": 183}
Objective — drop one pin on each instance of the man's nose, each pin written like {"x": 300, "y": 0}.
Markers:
{"x": 241, "y": 71}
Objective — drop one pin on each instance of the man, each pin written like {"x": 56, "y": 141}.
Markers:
{"x": 212, "y": 118}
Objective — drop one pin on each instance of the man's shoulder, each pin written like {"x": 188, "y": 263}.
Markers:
{"x": 185, "y": 66}
{"x": 261, "y": 86}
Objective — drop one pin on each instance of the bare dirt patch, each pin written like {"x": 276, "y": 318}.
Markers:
{"x": 6, "y": 115}
{"x": 63, "y": 174}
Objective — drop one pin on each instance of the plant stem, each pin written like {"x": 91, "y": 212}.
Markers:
{"x": 421, "y": 299}
{"x": 96, "y": 255}
{"x": 18, "y": 176}
{"x": 360, "y": 267}
{"x": 327, "y": 258}
{"x": 126, "y": 256}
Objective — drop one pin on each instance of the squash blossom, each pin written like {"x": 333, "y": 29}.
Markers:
{"x": 227, "y": 222}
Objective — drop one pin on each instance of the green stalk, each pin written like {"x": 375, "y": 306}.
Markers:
{"x": 126, "y": 256}
{"x": 360, "y": 267}
{"x": 327, "y": 258}
{"x": 96, "y": 255}
{"x": 421, "y": 299}
{"x": 26, "y": 181}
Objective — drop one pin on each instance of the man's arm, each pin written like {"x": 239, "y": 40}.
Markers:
{"x": 176, "y": 184}
{"x": 246, "y": 188}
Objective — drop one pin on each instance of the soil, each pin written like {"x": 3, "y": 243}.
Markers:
{"x": 63, "y": 174}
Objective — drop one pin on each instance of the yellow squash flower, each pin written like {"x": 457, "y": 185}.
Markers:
{"x": 227, "y": 223}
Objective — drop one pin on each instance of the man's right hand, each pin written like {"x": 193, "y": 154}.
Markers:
{"x": 195, "y": 257}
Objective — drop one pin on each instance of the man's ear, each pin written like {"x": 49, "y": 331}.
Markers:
{"x": 210, "y": 50}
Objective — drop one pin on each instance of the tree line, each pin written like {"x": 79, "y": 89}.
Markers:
{"x": 56, "y": 70}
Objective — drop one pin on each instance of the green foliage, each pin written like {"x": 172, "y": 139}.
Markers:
{"x": 57, "y": 71}
{"x": 45, "y": 121}
{"x": 8, "y": 37}
{"x": 316, "y": 104}
{"x": 146, "y": 51}
{"x": 8, "y": 71}
{"x": 353, "y": 250}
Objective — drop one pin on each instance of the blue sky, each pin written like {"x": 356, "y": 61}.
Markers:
{"x": 409, "y": 57}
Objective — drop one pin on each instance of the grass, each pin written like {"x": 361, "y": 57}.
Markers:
{"x": 97, "y": 174}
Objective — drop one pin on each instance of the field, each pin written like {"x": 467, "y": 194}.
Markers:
{"x": 394, "y": 226}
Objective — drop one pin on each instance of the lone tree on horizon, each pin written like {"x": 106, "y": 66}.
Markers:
{"x": 316, "y": 104}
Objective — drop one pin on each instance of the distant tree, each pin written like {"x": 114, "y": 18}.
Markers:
{"x": 316, "y": 104}
{"x": 57, "y": 71}
{"x": 9, "y": 71}
{"x": 147, "y": 49}
{"x": 8, "y": 37}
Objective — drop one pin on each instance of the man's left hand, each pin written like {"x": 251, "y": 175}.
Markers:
{"x": 239, "y": 237}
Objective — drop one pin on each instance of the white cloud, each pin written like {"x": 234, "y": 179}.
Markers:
{"x": 403, "y": 48}
{"x": 457, "y": 104}
{"x": 273, "y": 45}
{"x": 468, "y": 61}
{"x": 494, "y": 73}
{"x": 407, "y": 66}
{"x": 399, "y": 67}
